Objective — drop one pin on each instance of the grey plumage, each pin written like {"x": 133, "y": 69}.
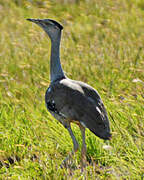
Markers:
{"x": 72, "y": 101}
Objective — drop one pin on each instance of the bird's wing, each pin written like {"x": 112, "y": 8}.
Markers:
{"x": 93, "y": 96}
{"x": 80, "y": 102}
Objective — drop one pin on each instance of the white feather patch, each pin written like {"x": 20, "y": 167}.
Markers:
{"x": 63, "y": 115}
{"x": 97, "y": 108}
{"x": 49, "y": 89}
{"x": 83, "y": 124}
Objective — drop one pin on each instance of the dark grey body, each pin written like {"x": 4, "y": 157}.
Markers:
{"x": 77, "y": 101}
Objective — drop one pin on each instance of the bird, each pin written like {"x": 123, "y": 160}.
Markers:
{"x": 70, "y": 101}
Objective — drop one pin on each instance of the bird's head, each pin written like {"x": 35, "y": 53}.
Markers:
{"x": 51, "y": 27}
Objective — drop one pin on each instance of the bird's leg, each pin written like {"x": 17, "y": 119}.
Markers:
{"x": 83, "y": 150}
{"x": 75, "y": 144}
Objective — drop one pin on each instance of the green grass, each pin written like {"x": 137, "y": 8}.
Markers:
{"x": 102, "y": 45}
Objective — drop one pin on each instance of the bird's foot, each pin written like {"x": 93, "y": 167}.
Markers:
{"x": 68, "y": 162}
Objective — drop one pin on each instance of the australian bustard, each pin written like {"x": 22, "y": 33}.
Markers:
{"x": 69, "y": 100}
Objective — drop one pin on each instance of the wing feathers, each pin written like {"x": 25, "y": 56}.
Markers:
{"x": 80, "y": 102}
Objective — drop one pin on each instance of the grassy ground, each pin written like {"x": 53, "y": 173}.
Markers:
{"x": 103, "y": 45}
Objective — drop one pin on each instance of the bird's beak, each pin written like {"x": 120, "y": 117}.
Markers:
{"x": 37, "y": 21}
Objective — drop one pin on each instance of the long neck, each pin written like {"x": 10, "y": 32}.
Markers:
{"x": 56, "y": 71}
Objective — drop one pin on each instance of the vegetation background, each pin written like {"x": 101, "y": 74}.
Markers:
{"x": 102, "y": 45}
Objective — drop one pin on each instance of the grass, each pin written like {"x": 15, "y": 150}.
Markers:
{"x": 102, "y": 45}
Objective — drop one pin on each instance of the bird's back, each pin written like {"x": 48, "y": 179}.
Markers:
{"x": 77, "y": 101}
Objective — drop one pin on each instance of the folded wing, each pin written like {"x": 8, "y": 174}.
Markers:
{"x": 80, "y": 102}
